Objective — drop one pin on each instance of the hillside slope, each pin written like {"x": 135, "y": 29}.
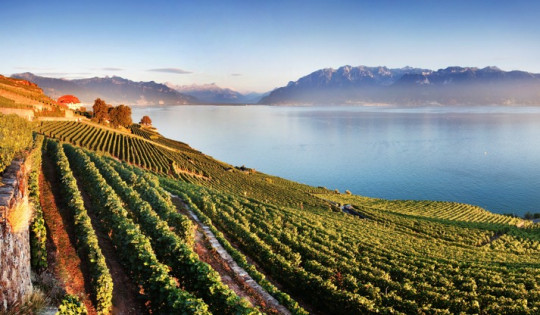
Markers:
{"x": 23, "y": 94}
{"x": 370, "y": 257}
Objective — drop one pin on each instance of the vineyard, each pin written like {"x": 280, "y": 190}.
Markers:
{"x": 385, "y": 262}
{"x": 379, "y": 256}
{"x": 15, "y": 93}
{"x": 15, "y": 137}
{"x": 159, "y": 257}
{"x": 148, "y": 150}
{"x": 444, "y": 211}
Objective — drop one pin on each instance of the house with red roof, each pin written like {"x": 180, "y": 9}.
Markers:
{"x": 69, "y": 101}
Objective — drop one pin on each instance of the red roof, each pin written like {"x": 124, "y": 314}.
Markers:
{"x": 67, "y": 99}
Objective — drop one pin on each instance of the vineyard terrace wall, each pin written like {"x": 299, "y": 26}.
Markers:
{"x": 24, "y": 113}
{"x": 15, "y": 213}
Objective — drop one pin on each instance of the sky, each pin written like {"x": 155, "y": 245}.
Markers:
{"x": 257, "y": 45}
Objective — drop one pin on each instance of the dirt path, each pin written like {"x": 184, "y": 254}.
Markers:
{"x": 62, "y": 257}
{"x": 210, "y": 251}
{"x": 126, "y": 298}
{"x": 208, "y": 254}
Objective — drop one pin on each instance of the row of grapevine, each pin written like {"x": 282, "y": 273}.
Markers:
{"x": 240, "y": 259}
{"x": 225, "y": 177}
{"x": 193, "y": 274}
{"x": 133, "y": 247}
{"x": 123, "y": 146}
{"x": 395, "y": 262}
{"x": 185, "y": 163}
{"x": 150, "y": 191}
{"x": 38, "y": 232}
{"x": 140, "y": 132}
{"x": 156, "y": 137}
{"x": 87, "y": 241}
{"x": 71, "y": 305}
{"x": 329, "y": 299}
{"x": 443, "y": 210}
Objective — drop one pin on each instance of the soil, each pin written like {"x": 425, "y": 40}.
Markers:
{"x": 64, "y": 263}
{"x": 300, "y": 300}
{"x": 228, "y": 276}
{"x": 203, "y": 248}
{"x": 182, "y": 208}
{"x": 126, "y": 298}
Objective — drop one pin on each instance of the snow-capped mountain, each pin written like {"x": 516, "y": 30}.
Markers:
{"x": 410, "y": 86}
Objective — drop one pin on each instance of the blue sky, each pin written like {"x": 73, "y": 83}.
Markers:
{"x": 259, "y": 45}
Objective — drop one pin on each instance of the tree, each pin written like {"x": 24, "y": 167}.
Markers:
{"x": 101, "y": 111}
{"x": 120, "y": 116}
{"x": 145, "y": 120}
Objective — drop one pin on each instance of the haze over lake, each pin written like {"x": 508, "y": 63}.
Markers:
{"x": 488, "y": 156}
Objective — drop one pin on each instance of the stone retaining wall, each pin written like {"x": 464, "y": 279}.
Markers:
{"x": 15, "y": 279}
{"x": 25, "y": 113}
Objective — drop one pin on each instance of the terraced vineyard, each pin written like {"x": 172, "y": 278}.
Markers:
{"x": 160, "y": 259}
{"x": 386, "y": 262}
{"x": 451, "y": 211}
{"x": 394, "y": 257}
{"x": 182, "y": 162}
{"x": 15, "y": 93}
{"x": 153, "y": 135}
{"x": 120, "y": 145}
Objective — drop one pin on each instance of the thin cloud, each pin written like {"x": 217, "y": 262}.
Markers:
{"x": 112, "y": 69}
{"x": 34, "y": 68}
{"x": 171, "y": 70}
{"x": 236, "y": 74}
{"x": 62, "y": 74}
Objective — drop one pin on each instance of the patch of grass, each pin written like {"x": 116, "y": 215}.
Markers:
{"x": 32, "y": 303}
{"x": 19, "y": 217}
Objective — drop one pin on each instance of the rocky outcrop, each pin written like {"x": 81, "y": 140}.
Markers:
{"x": 15, "y": 213}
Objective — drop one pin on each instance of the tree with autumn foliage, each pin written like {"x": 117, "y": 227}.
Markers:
{"x": 145, "y": 120}
{"x": 120, "y": 116}
{"x": 101, "y": 111}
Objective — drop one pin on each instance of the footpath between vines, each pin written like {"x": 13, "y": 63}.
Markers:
{"x": 253, "y": 291}
{"x": 63, "y": 260}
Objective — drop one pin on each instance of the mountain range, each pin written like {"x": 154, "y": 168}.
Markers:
{"x": 114, "y": 90}
{"x": 213, "y": 94}
{"x": 410, "y": 86}
{"x": 117, "y": 90}
{"x": 346, "y": 85}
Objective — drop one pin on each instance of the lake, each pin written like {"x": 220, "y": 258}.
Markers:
{"x": 487, "y": 156}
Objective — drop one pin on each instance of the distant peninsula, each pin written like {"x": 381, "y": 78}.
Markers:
{"x": 410, "y": 87}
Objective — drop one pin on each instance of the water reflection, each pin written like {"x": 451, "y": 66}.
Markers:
{"x": 487, "y": 156}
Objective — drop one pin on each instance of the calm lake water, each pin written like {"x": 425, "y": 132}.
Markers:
{"x": 488, "y": 156}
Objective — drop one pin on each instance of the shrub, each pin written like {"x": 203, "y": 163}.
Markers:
{"x": 71, "y": 305}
